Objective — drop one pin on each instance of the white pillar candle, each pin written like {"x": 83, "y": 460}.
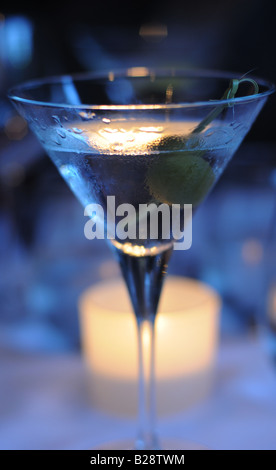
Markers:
{"x": 186, "y": 340}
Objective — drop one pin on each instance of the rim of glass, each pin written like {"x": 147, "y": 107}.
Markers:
{"x": 139, "y": 72}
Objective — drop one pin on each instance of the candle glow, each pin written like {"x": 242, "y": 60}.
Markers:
{"x": 129, "y": 137}
{"x": 186, "y": 339}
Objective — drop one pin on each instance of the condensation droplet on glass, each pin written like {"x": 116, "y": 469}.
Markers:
{"x": 76, "y": 130}
{"x": 56, "y": 119}
{"x": 106, "y": 120}
{"x": 56, "y": 141}
{"x": 87, "y": 115}
{"x": 208, "y": 133}
{"x": 61, "y": 133}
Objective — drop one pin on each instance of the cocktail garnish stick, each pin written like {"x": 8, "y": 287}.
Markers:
{"x": 228, "y": 95}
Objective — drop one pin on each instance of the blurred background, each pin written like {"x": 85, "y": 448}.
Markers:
{"x": 43, "y": 271}
{"x": 45, "y": 260}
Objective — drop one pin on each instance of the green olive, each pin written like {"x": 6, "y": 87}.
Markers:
{"x": 180, "y": 178}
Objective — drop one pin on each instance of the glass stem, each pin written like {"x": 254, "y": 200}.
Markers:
{"x": 152, "y": 389}
{"x": 144, "y": 277}
{"x": 147, "y": 437}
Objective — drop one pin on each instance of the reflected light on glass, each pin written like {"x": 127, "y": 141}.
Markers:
{"x": 128, "y": 137}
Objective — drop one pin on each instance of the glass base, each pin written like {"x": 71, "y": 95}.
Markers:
{"x": 166, "y": 444}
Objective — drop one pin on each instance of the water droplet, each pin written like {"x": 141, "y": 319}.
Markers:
{"x": 61, "y": 133}
{"x": 87, "y": 115}
{"x": 106, "y": 120}
{"x": 56, "y": 142}
{"x": 57, "y": 120}
{"x": 208, "y": 133}
{"x": 43, "y": 127}
{"x": 76, "y": 130}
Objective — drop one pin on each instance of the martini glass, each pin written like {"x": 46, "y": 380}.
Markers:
{"x": 141, "y": 136}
